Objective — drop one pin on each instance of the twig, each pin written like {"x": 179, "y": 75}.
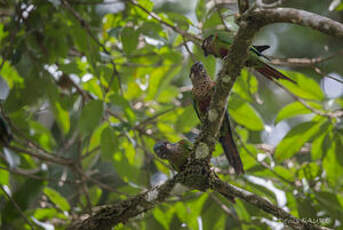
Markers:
{"x": 303, "y": 61}
{"x": 185, "y": 34}
{"x": 52, "y": 159}
{"x": 84, "y": 24}
{"x": 263, "y": 204}
{"x": 190, "y": 52}
{"x": 9, "y": 197}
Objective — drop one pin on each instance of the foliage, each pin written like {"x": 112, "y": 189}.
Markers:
{"x": 101, "y": 83}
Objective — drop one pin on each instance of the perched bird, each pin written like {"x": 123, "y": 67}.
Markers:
{"x": 177, "y": 154}
{"x": 202, "y": 91}
{"x": 219, "y": 44}
{"x": 5, "y": 133}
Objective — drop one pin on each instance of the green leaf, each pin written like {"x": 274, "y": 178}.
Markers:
{"x": 93, "y": 87}
{"x": 200, "y": 10}
{"x": 332, "y": 165}
{"x": 24, "y": 195}
{"x": 244, "y": 114}
{"x": 4, "y": 175}
{"x": 151, "y": 29}
{"x": 62, "y": 117}
{"x": 306, "y": 87}
{"x": 295, "y": 139}
{"x": 90, "y": 116}
{"x": 69, "y": 68}
{"x": 215, "y": 218}
{"x": 212, "y": 22}
{"x": 124, "y": 104}
{"x": 285, "y": 173}
{"x": 187, "y": 120}
{"x": 109, "y": 143}
{"x": 47, "y": 213}
{"x": 168, "y": 94}
{"x": 306, "y": 208}
{"x": 163, "y": 217}
{"x": 155, "y": 79}
{"x": 339, "y": 7}
{"x": 57, "y": 199}
{"x": 246, "y": 85}
{"x": 320, "y": 142}
{"x": 129, "y": 39}
{"x": 291, "y": 110}
{"x": 180, "y": 20}
{"x": 330, "y": 202}
{"x": 309, "y": 171}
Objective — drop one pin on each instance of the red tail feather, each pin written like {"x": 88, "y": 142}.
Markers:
{"x": 271, "y": 73}
{"x": 230, "y": 148}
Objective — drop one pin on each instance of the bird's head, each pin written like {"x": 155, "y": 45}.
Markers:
{"x": 207, "y": 44}
{"x": 198, "y": 72}
{"x": 162, "y": 149}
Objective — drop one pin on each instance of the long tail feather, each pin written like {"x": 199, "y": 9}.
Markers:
{"x": 230, "y": 148}
{"x": 269, "y": 72}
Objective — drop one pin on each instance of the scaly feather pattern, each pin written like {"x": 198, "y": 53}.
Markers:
{"x": 202, "y": 91}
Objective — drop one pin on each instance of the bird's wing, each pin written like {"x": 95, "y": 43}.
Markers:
{"x": 196, "y": 108}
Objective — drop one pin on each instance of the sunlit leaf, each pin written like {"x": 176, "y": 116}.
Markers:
{"x": 244, "y": 114}
{"x": 295, "y": 139}
{"x": 129, "y": 38}
{"x": 291, "y": 110}
{"x": 306, "y": 87}
{"x": 200, "y": 10}
{"x": 57, "y": 199}
{"x": 246, "y": 85}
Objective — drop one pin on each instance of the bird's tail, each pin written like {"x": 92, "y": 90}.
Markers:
{"x": 230, "y": 149}
{"x": 269, "y": 72}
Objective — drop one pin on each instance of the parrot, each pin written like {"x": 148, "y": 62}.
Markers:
{"x": 177, "y": 154}
{"x": 219, "y": 43}
{"x": 5, "y": 133}
{"x": 202, "y": 91}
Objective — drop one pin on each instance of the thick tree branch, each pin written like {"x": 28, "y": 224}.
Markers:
{"x": 325, "y": 25}
{"x": 108, "y": 216}
{"x": 227, "y": 189}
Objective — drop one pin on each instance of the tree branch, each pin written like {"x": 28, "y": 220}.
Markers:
{"x": 295, "y": 223}
{"x": 295, "y": 16}
{"x": 185, "y": 34}
{"x": 108, "y": 216}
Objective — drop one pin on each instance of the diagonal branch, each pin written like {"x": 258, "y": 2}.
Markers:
{"x": 185, "y": 34}
{"x": 108, "y": 216}
{"x": 282, "y": 215}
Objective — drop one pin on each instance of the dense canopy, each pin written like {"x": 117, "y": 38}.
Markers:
{"x": 88, "y": 87}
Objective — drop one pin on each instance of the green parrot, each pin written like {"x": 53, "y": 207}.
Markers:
{"x": 5, "y": 133}
{"x": 202, "y": 91}
{"x": 177, "y": 154}
{"x": 219, "y": 44}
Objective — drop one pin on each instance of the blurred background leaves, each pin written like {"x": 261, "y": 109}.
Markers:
{"x": 99, "y": 82}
